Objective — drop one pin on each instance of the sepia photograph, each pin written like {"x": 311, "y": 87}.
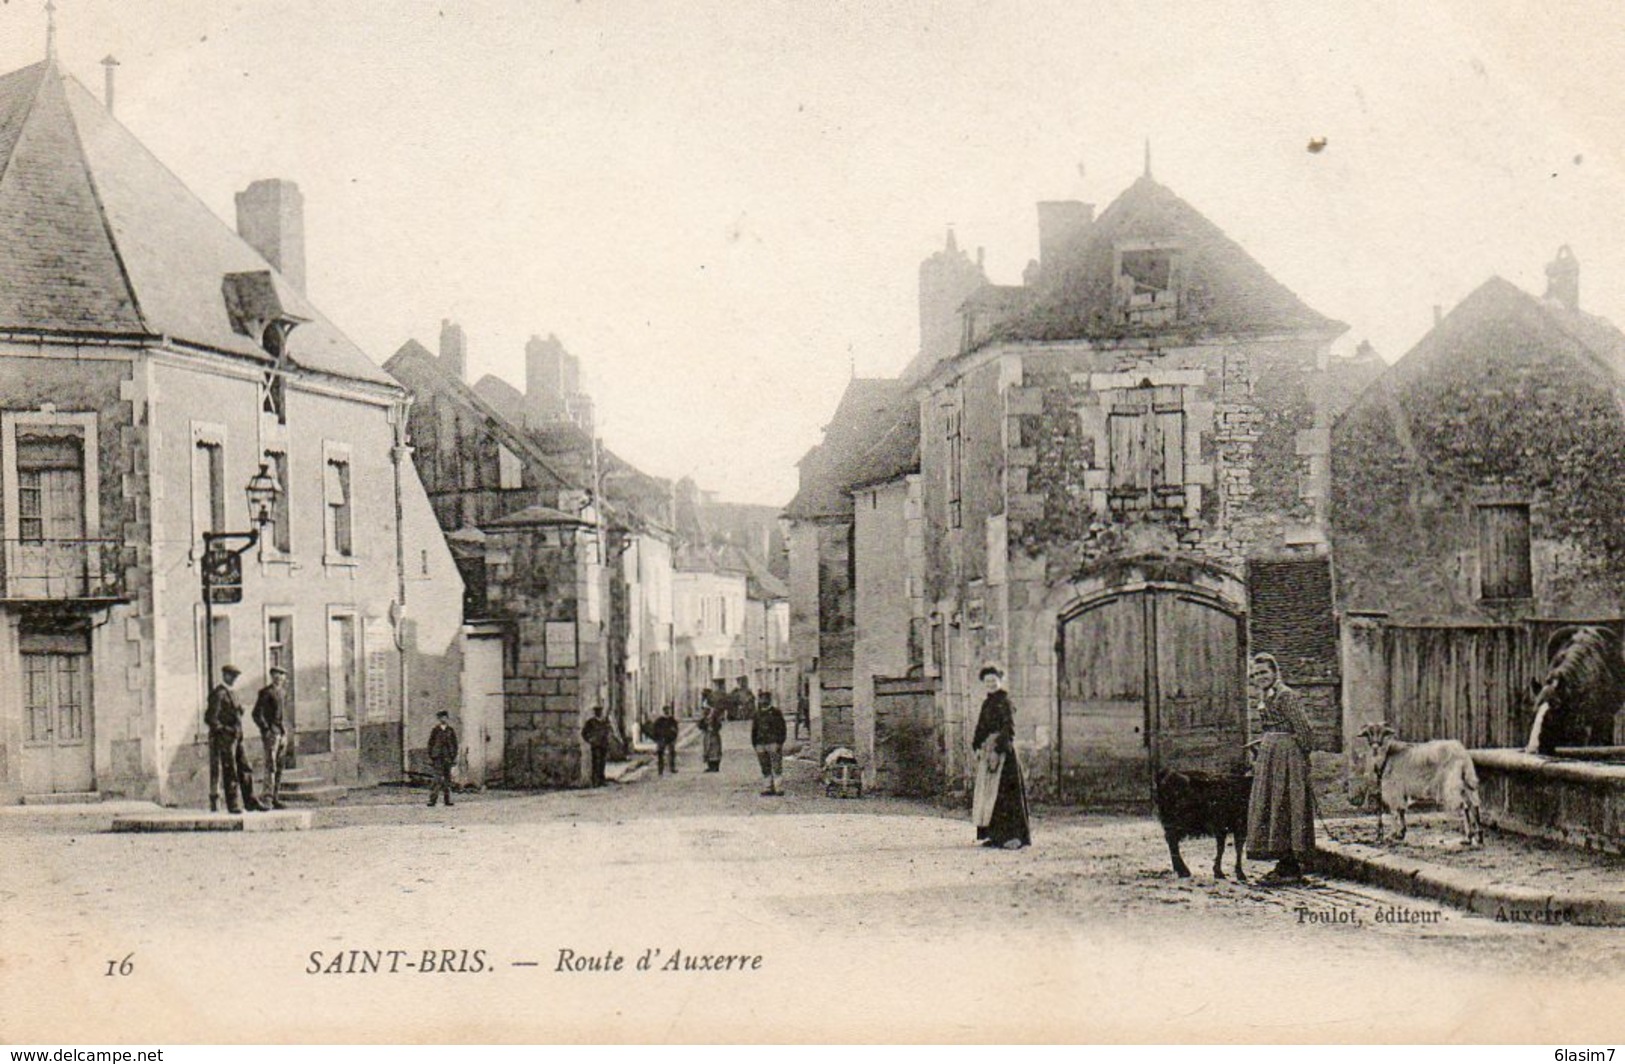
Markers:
{"x": 772, "y": 523}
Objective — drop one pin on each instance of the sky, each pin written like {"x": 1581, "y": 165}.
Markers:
{"x": 721, "y": 207}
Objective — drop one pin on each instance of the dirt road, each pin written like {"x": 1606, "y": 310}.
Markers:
{"x": 871, "y": 919}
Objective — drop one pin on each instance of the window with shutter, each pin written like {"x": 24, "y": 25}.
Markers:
{"x": 1504, "y": 567}
{"x": 1146, "y": 441}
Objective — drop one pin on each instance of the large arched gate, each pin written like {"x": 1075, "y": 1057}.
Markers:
{"x": 1148, "y": 677}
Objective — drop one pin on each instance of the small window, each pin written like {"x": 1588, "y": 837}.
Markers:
{"x": 1148, "y": 285}
{"x": 281, "y": 530}
{"x": 340, "y": 508}
{"x": 1504, "y": 567}
{"x": 956, "y": 458}
{"x": 510, "y": 473}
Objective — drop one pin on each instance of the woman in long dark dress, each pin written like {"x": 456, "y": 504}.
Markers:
{"x": 1000, "y": 802}
{"x": 1281, "y": 810}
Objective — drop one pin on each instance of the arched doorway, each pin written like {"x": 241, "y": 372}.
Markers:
{"x": 1149, "y": 676}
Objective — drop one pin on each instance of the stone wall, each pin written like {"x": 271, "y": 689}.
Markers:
{"x": 535, "y": 578}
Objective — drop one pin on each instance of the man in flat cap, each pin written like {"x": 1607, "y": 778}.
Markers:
{"x": 227, "y": 761}
{"x": 442, "y": 755}
{"x": 270, "y": 719}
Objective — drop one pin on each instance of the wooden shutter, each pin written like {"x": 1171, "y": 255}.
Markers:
{"x": 1503, "y": 552}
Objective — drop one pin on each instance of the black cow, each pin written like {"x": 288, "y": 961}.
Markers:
{"x": 1584, "y": 685}
{"x": 1191, "y": 804}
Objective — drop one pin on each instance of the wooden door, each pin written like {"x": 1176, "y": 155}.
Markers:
{"x": 484, "y": 725}
{"x": 57, "y": 734}
{"x": 1199, "y": 708}
{"x": 1103, "y": 722}
{"x": 1148, "y": 678}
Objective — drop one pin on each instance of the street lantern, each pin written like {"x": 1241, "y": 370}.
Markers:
{"x": 261, "y": 491}
{"x": 222, "y": 565}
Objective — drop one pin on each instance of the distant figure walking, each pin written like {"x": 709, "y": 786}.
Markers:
{"x": 1280, "y": 813}
{"x": 664, "y": 732}
{"x": 271, "y": 721}
{"x": 744, "y": 702}
{"x": 1000, "y": 801}
{"x": 228, "y": 763}
{"x": 442, "y": 755}
{"x": 803, "y": 713}
{"x": 595, "y": 733}
{"x": 716, "y": 712}
{"x": 767, "y": 736}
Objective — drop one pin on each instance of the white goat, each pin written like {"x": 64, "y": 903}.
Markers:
{"x": 1439, "y": 771}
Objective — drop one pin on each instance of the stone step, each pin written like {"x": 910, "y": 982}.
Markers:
{"x": 325, "y": 794}
{"x": 280, "y": 820}
{"x": 301, "y": 775}
{"x": 63, "y": 798}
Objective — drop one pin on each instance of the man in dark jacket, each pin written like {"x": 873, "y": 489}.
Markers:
{"x": 664, "y": 732}
{"x": 227, "y": 761}
{"x": 595, "y": 733}
{"x": 442, "y": 755}
{"x": 268, "y": 717}
{"x": 767, "y": 736}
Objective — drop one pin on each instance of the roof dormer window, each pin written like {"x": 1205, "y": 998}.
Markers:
{"x": 1149, "y": 281}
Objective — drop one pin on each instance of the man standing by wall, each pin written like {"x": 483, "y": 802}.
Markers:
{"x": 269, "y": 718}
{"x": 744, "y": 702}
{"x": 442, "y": 755}
{"x": 227, "y": 762}
{"x": 595, "y": 733}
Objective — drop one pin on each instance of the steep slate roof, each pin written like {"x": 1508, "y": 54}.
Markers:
{"x": 1529, "y": 324}
{"x": 419, "y": 371}
{"x": 866, "y": 412}
{"x": 1225, "y": 290}
{"x": 895, "y": 454}
{"x": 98, "y": 237}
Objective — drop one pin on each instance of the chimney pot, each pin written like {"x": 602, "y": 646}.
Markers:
{"x": 454, "y": 349}
{"x": 1563, "y": 278}
{"x": 108, "y": 65}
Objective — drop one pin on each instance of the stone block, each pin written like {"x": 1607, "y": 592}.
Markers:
{"x": 1021, "y": 456}
{"x": 1026, "y": 506}
{"x": 1019, "y": 401}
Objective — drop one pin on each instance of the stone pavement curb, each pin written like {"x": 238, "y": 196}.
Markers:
{"x": 1466, "y": 890}
{"x": 277, "y": 820}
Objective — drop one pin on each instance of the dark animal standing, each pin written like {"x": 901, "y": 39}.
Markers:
{"x": 1192, "y": 804}
{"x": 1584, "y": 685}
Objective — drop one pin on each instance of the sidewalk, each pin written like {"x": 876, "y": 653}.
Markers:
{"x": 1510, "y": 878}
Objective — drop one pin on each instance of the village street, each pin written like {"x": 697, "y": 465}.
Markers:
{"x": 872, "y": 918}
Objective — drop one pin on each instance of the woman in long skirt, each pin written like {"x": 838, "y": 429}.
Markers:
{"x": 1281, "y": 810}
{"x": 999, "y": 806}
{"x": 713, "y": 713}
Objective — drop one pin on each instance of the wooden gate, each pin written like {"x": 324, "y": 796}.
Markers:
{"x": 1147, "y": 678}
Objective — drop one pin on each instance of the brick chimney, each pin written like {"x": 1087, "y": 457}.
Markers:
{"x": 1563, "y": 278}
{"x": 271, "y": 217}
{"x": 453, "y": 349}
{"x": 1059, "y": 223}
{"x": 546, "y": 370}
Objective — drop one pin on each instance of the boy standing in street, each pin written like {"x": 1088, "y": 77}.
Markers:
{"x": 442, "y": 755}
{"x": 767, "y": 736}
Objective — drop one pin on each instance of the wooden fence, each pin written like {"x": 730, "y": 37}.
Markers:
{"x": 1467, "y": 682}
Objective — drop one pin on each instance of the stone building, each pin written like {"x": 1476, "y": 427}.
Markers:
{"x": 1120, "y": 488}
{"x": 565, "y": 575}
{"x": 151, "y": 362}
{"x": 1477, "y": 487}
